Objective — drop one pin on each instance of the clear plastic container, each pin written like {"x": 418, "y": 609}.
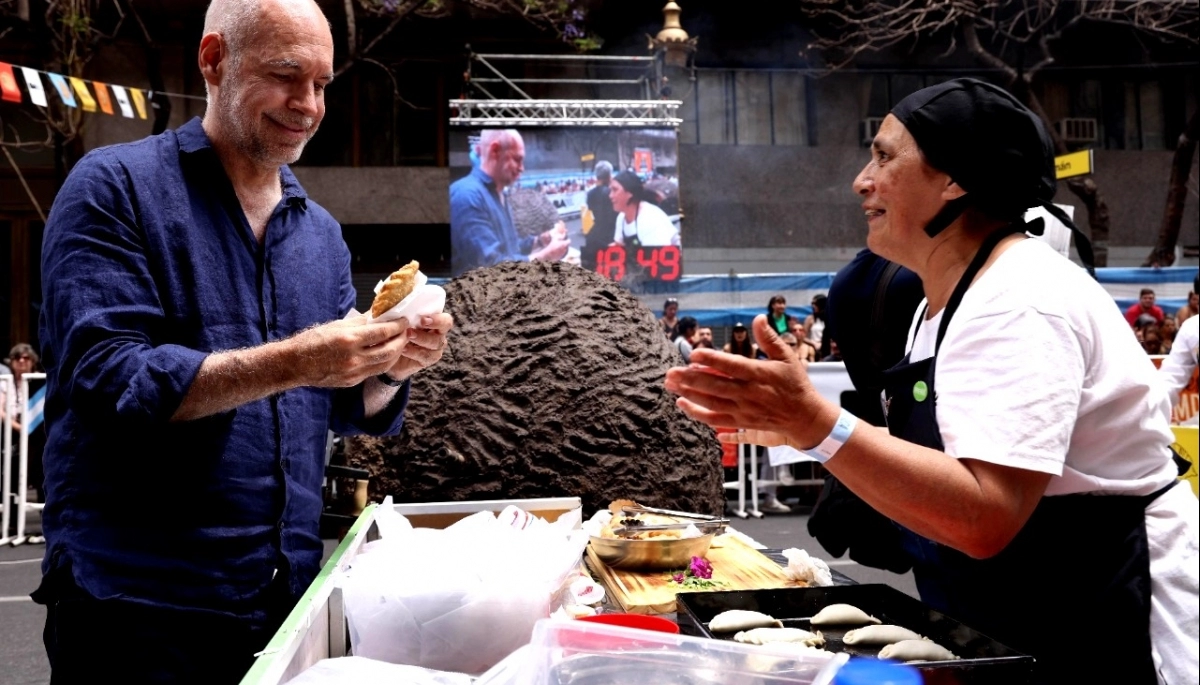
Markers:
{"x": 582, "y": 653}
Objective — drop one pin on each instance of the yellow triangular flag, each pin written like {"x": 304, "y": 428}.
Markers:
{"x": 139, "y": 101}
{"x": 85, "y": 96}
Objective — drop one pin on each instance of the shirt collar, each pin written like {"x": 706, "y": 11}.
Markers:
{"x": 192, "y": 139}
{"x": 483, "y": 176}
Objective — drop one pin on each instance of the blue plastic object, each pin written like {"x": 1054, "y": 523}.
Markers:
{"x": 876, "y": 672}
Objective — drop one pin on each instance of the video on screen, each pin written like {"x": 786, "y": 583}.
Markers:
{"x": 606, "y": 199}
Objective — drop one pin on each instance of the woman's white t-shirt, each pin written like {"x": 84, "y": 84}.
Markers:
{"x": 652, "y": 227}
{"x": 1039, "y": 371}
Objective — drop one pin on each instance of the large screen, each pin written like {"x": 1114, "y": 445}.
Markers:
{"x": 606, "y": 199}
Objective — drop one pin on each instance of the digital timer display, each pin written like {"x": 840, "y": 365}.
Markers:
{"x": 656, "y": 263}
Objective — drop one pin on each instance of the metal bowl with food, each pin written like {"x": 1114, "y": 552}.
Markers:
{"x": 655, "y": 554}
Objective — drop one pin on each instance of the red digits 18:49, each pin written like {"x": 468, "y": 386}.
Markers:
{"x": 658, "y": 263}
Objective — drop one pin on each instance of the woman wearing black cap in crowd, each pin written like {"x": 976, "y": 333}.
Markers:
{"x": 998, "y": 458}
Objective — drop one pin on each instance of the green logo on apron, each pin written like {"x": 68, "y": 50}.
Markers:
{"x": 920, "y": 391}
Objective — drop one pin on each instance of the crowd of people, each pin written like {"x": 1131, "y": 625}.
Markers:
{"x": 1156, "y": 331}
{"x": 806, "y": 336}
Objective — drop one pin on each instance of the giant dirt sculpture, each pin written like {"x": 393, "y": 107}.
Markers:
{"x": 551, "y": 385}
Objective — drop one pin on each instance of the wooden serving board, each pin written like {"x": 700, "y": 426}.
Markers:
{"x": 735, "y": 564}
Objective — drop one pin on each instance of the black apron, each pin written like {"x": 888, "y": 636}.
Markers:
{"x": 1073, "y": 587}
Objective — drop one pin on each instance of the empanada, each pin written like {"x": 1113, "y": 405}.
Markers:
{"x": 398, "y": 286}
{"x": 916, "y": 650}
{"x": 842, "y": 614}
{"x": 762, "y": 636}
{"x": 740, "y": 619}
{"x": 879, "y": 635}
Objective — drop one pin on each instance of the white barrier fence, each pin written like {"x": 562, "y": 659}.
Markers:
{"x": 17, "y": 399}
{"x": 830, "y": 380}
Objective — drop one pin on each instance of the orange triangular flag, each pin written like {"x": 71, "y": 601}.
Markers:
{"x": 102, "y": 97}
{"x": 8, "y": 84}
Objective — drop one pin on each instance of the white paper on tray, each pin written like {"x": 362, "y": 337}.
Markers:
{"x": 802, "y": 566}
{"x": 424, "y": 300}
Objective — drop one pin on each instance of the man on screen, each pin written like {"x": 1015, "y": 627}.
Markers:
{"x": 604, "y": 217}
{"x": 481, "y": 224}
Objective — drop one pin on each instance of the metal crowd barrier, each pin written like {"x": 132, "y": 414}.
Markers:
{"x": 19, "y": 497}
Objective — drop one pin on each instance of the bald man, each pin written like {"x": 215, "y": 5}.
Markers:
{"x": 198, "y": 350}
{"x": 481, "y": 224}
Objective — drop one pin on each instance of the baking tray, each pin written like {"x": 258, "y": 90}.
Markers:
{"x": 983, "y": 660}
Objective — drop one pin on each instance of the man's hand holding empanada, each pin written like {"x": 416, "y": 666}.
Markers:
{"x": 426, "y": 342}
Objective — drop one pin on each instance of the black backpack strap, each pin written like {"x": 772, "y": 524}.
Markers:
{"x": 878, "y": 307}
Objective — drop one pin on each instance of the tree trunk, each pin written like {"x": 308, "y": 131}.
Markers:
{"x": 1163, "y": 253}
{"x": 1020, "y": 84}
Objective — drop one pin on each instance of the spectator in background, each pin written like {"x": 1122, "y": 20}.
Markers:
{"x": 835, "y": 354}
{"x": 685, "y": 332}
{"x": 1168, "y": 330}
{"x": 604, "y": 217}
{"x": 1151, "y": 339}
{"x": 740, "y": 343}
{"x": 23, "y": 359}
{"x": 669, "y": 320}
{"x": 640, "y": 222}
{"x": 814, "y": 325}
{"x": 1192, "y": 307}
{"x": 482, "y": 232}
{"x": 1179, "y": 366}
{"x": 1144, "y": 307}
{"x": 778, "y": 317}
{"x": 704, "y": 338}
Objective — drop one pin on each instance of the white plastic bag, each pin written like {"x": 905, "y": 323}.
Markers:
{"x": 459, "y": 599}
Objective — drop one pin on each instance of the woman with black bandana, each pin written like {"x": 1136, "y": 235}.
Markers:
{"x": 1036, "y": 493}
{"x": 640, "y": 223}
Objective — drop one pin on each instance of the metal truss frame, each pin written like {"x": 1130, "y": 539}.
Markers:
{"x": 639, "y": 113}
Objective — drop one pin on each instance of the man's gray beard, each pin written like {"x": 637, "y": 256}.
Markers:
{"x": 243, "y": 138}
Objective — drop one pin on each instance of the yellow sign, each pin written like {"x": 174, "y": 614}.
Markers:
{"x": 1187, "y": 445}
{"x": 1074, "y": 164}
{"x": 588, "y": 157}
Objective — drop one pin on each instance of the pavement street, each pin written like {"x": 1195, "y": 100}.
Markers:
{"x": 23, "y": 659}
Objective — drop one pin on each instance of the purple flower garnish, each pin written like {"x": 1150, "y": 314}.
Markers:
{"x": 678, "y": 577}
{"x": 700, "y": 568}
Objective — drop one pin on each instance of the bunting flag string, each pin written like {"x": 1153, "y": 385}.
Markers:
{"x": 72, "y": 91}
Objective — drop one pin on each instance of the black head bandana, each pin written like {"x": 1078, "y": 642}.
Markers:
{"x": 993, "y": 147}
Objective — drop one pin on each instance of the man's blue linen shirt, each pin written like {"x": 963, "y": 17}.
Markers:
{"x": 148, "y": 265}
{"x": 481, "y": 228}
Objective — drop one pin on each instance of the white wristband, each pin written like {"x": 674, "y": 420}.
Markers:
{"x": 837, "y": 437}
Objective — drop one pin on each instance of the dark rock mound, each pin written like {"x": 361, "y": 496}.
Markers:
{"x": 533, "y": 212}
{"x": 551, "y": 385}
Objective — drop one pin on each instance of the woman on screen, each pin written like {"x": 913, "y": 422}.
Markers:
{"x": 640, "y": 223}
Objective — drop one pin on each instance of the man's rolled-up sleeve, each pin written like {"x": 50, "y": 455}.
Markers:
{"x": 103, "y": 313}
{"x": 349, "y": 414}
